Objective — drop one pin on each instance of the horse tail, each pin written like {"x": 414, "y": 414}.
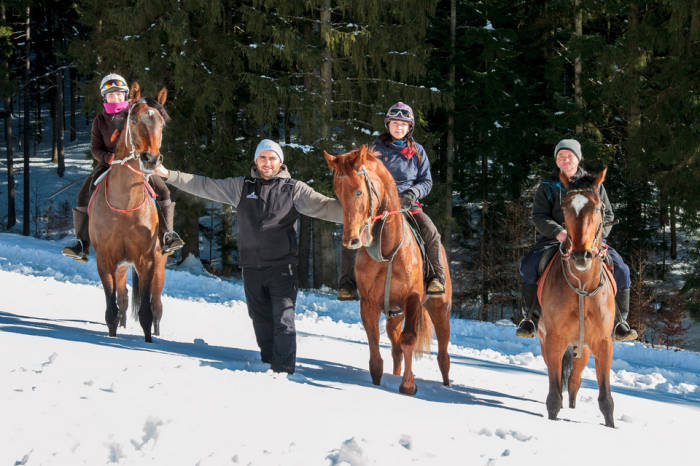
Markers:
{"x": 425, "y": 334}
{"x": 135, "y": 294}
{"x": 567, "y": 363}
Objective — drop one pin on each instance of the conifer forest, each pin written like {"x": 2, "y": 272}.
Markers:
{"x": 494, "y": 84}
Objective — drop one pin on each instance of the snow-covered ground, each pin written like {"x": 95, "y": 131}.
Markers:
{"x": 199, "y": 394}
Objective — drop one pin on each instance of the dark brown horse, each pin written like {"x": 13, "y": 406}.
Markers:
{"x": 578, "y": 301}
{"x": 366, "y": 189}
{"x": 124, "y": 220}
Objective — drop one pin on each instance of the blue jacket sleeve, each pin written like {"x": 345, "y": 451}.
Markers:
{"x": 424, "y": 181}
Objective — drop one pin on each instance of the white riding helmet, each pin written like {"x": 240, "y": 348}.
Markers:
{"x": 112, "y": 83}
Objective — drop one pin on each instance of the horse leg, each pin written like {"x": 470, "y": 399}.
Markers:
{"x": 413, "y": 311}
{"x": 579, "y": 364}
{"x": 156, "y": 290}
{"x": 439, "y": 314}
{"x": 109, "y": 285}
{"x": 145, "y": 313}
{"x": 370, "y": 320}
{"x": 553, "y": 351}
{"x": 122, "y": 295}
{"x": 603, "y": 352}
{"x": 393, "y": 330}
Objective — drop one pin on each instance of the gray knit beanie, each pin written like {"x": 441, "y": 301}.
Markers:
{"x": 572, "y": 144}
{"x": 267, "y": 144}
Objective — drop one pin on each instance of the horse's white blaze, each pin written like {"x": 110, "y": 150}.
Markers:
{"x": 578, "y": 202}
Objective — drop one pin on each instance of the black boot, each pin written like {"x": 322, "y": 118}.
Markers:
{"x": 531, "y": 312}
{"x": 80, "y": 250}
{"x": 436, "y": 282}
{"x": 622, "y": 330}
{"x": 347, "y": 288}
{"x": 171, "y": 240}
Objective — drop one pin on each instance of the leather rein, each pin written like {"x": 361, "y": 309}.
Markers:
{"x": 143, "y": 173}
{"x": 374, "y": 249}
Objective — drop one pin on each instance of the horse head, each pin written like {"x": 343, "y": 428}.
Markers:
{"x": 361, "y": 191}
{"x": 583, "y": 216}
{"x": 144, "y": 127}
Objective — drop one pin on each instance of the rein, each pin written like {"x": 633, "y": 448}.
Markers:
{"x": 580, "y": 289}
{"x": 147, "y": 189}
{"x": 374, "y": 250}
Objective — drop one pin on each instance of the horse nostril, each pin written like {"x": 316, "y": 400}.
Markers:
{"x": 588, "y": 255}
{"x": 354, "y": 242}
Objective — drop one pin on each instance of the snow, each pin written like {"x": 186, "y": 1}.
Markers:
{"x": 200, "y": 395}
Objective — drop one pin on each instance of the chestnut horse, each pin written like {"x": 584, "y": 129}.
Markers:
{"x": 124, "y": 220}
{"x": 578, "y": 301}
{"x": 367, "y": 191}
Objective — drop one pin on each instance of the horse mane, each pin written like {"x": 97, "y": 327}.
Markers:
{"x": 585, "y": 182}
{"x": 152, "y": 102}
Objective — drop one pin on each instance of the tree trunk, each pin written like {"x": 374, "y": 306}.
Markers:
{"x": 72, "y": 77}
{"x": 674, "y": 238}
{"x": 27, "y": 126}
{"x": 317, "y": 252}
{"x": 11, "y": 214}
{"x": 304, "y": 251}
{"x": 450, "y": 139}
{"x": 578, "y": 92}
{"x": 329, "y": 254}
{"x": 59, "y": 123}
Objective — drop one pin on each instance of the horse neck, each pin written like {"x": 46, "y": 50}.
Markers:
{"x": 125, "y": 185}
{"x": 393, "y": 224}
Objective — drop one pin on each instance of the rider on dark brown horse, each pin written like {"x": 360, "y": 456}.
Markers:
{"x": 103, "y": 142}
{"x": 408, "y": 163}
{"x": 548, "y": 218}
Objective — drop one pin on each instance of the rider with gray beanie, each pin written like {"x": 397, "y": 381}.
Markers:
{"x": 548, "y": 218}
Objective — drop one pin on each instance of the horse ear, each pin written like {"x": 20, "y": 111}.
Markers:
{"x": 162, "y": 96}
{"x": 599, "y": 178}
{"x": 330, "y": 159}
{"x": 135, "y": 91}
{"x": 363, "y": 155}
{"x": 564, "y": 180}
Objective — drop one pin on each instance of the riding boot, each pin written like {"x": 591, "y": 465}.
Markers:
{"x": 622, "y": 330}
{"x": 436, "y": 280}
{"x": 531, "y": 312}
{"x": 80, "y": 250}
{"x": 171, "y": 240}
{"x": 347, "y": 288}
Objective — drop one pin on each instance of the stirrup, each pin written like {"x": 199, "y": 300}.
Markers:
{"x": 623, "y": 332}
{"x": 526, "y": 329}
{"x": 73, "y": 253}
{"x": 171, "y": 242}
{"x": 435, "y": 288}
{"x": 347, "y": 293}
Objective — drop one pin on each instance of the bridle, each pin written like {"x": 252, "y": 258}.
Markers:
{"x": 143, "y": 172}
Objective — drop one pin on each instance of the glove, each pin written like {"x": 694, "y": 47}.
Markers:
{"x": 407, "y": 199}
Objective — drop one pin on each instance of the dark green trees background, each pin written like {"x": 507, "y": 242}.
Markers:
{"x": 495, "y": 84}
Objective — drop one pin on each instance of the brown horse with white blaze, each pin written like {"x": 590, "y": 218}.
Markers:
{"x": 369, "y": 198}
{"x": 578, "y": 301}
{"x": 124, "y": 221}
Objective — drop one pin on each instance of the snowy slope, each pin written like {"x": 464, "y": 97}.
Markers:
{"x": 71, "y": 395}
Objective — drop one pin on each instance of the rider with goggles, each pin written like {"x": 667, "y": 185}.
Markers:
{"x": 408, "y": 163}
{"x": 103, "y": 143}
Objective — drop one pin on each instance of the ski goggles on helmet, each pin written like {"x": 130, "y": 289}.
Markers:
{"x": 118, "y": 83}
{"x": 399, "y": 112}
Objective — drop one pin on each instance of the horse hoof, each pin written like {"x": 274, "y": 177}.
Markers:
{"x": 409, "y": 391}
{"x": 112, "y": 332}
{"x": 148, "y": 339}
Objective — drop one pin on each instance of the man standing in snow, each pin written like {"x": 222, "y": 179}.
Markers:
{"x": 268, "y": 204}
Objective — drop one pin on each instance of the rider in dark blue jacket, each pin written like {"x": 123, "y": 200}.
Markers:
{"x": 408, "y": 163}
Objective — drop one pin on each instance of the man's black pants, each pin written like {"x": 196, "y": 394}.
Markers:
{"x": 271, "y": 295}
